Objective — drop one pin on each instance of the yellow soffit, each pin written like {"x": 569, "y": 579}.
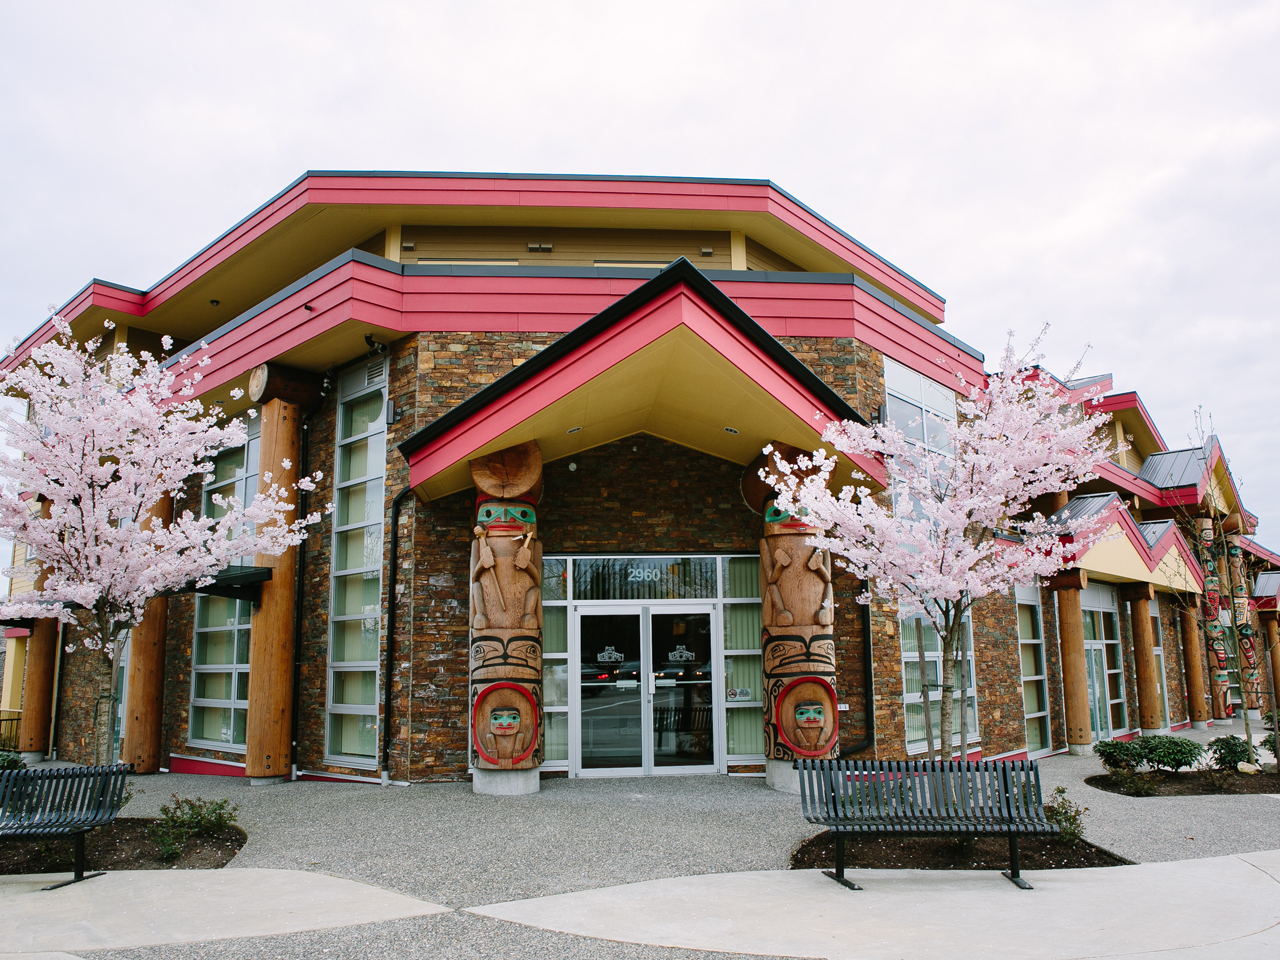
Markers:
{"x": 678, "y": 388}
{"x": 1117, "y": 559}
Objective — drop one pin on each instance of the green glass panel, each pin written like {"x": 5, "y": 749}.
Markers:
{"x": 555, "y": 629}
{"x": 355, "y": 640}
{"x": 557, "y": 736}
{"x": 1090, "y": 618}
{"x": 242, "y": 686}
{"x": 215, "y": 612}
{"x": 645, "y": 578}
{"x": 744, "y": 729}
{"x": 215, "y": 647}
{"x": 242, "y": 646}
{"x": 930, "y": 636}
{"x": 359, "y": 548}
{"x": 1109, "y": 632}
{"x": 1033, "y": 696}
{"x": 354, "y": 687}
{"x": 742, "y": 678}
{"x": 352, "y": 735}
{"x": 1028, "y": 622}
{"x": 555, "y": 683}
{"x": 213, "y": 686}
{"x": 1038, "y": 734}
{"x": 555, "y": 582}
{"x": 741, "y": 577}
{"x": 915, "y": 721}
{"x": 360, "y": 416}
{"x": 1032, "y": 659}
{"x": 211, "y": 723}
{"x": 227, "y": 465}
{"x": 360, "y": 503}
{"x": 238, "y": 725}
{"x": 742, "y": 626}
{"x": 359, "y": 593}
{"x": 246, "y": 611}
{"x": 364, "y": 458}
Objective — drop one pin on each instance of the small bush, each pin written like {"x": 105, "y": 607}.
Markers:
{"x": 187, "y": 818}
{"x": 1118, "y": 755}
{"x": 1217, "y": 780}
{"x": 1229, "y": 751}
{"x": 1170, "y": 753}
{"x": 1134, "y": 784}
{"x": 1269, "y": 742}
{"x": 1068, "y": 815}
{"x": 11, "y": 761}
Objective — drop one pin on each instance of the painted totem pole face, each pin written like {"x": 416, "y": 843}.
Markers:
{"x": 507, "y": 518}
{"x": 504, "y": 721}
{"x": 778, "y": 521}
{"x": 810, "y": 714}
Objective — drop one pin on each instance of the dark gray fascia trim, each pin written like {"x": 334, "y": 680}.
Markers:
{"x": 612, "y": 273}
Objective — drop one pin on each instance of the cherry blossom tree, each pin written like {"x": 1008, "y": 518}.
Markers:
{"x": 104, "y": 441}
{"x": 956, "y": 525}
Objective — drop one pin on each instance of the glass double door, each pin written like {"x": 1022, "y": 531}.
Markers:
{"x": 646, "y": 690}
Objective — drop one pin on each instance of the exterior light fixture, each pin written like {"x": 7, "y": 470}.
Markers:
{"x": 730, "y": 430}
{"x": 573, "y": 430}
{"x": 408, "y": 245}
{"x": 540, "y": 247}
{"x": 214, "y": 303}
{"x": 573, "y": 467}
{"x": 706, "y": 251}
{"x": 307, "y": 307}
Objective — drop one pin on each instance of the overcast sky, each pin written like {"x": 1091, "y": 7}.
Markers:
{"x": 1110, "y": 168}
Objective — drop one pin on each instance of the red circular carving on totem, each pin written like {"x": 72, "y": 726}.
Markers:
{"x": 835, "y": 717}
{"x": 533, "y": 713}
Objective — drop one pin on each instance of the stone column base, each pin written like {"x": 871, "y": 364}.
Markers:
{"x": 1080, "y": 749}
{"x": 32, "y": 756}
{"x": 781, "y": 776}
{"x": 1160, "y": 732}
{"x": 1224, "y": 722}
{"x": 1199, "y": 724}
{"x": 1255, "y": 714}
{"x": 266, "y": 781}
{"x": 504, "y": 783}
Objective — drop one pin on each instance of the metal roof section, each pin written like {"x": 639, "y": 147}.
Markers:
{"x": 1178, "y": 468}
{"x": 1267, "y": 585}
{"x": 1086, "y": 506}
{"x": 1153, "y": 530}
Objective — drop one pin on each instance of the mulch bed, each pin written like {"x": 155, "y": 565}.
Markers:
{"x": 946, "y": 853}
{"x": 1194, "y": 783}
{"x": 123, "y": 845}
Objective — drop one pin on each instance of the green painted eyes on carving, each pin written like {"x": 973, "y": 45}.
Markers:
{"x": 504, "y": 721}
{"x": 491, "y": 512}
{"x": 810, "y": 713}
{"x": 773, "y": 515}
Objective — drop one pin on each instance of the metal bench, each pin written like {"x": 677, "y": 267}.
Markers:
{"x": 924, "y": 798}
{"x": 67, "y": 801}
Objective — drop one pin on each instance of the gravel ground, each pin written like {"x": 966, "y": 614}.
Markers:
{"x": 1147, "y": 829}
{"x": 448, "y": 936}
{"x": 442, "y": 843}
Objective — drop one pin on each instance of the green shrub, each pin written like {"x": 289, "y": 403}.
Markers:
{"x": 187, "y": 818}
{"x": 1229, "y": 751}
{"x": 1069, "y": 816}
{"x": 1119, "y": 755}
{"x": 1269, "y": 742}
{"x": 11, "y": 761}
{"x": 1169, "y": 753}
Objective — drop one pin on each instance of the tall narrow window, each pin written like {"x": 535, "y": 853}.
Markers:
{"x": 743, "y": 663}
{"x": 356, "y": 602}
{"x": 915, "y": 632}
{"x": 1035, "y": 694}
{"x": 220, "y": 653}
{"x": 555, "y": 660}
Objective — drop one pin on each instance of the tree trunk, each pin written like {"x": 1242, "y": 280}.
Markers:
{"x": 924, "y": 695}
{"x": 948, "y": 688}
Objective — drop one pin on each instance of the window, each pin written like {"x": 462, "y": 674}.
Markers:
{"x": 1035, "y": 692}
{"x": 743, "y": 663}
{"x": 917, "y": 406}
{"x": 355, "y": 611}
{"x": 220, "y": 653}
{"x": 1105, "y": 661}
{"x": 917, "y": 631}
{"x": 555, "y": 660}
{"x": 1157, "y": 641}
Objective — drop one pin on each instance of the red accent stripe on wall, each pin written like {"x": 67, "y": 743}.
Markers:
{"x": 207, "y": 767}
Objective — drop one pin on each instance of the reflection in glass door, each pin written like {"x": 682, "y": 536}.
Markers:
{"x": 645, "y": 691}
{"x": 1106, "y": 674}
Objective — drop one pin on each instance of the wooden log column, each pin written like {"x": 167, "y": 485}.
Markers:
{"x": 1271, "y": 628}
{"x": 1075, "y": 670}
{"x": 1193, "y": 663}
{"x": 37, "y": 690}
{"x": 268, "y": 727}
{"x": 144, "y": 691}
{"x": 1150, "y": 713}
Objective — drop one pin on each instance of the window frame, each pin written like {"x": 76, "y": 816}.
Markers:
{"x": 1030, "y": 597}
{"x": 911, "y": 662}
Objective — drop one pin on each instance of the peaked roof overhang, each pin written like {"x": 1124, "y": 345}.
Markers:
{"x": 1133, "y": 552}
{"x": 675, "y": 358}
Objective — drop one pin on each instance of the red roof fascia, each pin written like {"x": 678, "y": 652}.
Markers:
{"x": 1131, "y": 401}
{"x": 1172, "y": 539}
{"x": 676, "y": 307}
{"x": 1259, "y": 551}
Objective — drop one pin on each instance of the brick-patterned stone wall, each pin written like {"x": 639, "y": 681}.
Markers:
{"x": 1171, "y": 641}
{"x": 84, "y": 688}
{"x": 1053, "y": 669}
{"x": 998, "y": 671}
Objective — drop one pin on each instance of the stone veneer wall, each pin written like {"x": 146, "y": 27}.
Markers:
{"x": 1053, "y": 669}
{"x": 84, "y": 678}
{"x": 998, "y": 670}
{"x": 1171, "y": 640}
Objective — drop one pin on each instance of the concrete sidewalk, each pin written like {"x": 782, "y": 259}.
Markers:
{"x": 1209, "y": 908}
{"x": 136, "y": 908}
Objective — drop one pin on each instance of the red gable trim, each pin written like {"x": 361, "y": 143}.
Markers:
{"x": 1131, "y": 401}
{"x": 1151, "y": 556}
{"x": 1259, "y": 551}
{"x": 678, "y": 306}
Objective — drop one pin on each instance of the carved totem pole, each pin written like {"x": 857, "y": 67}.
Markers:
{"x": 1214, "y": 632}
{"x": 1250, "y": 675}
{"x": 798, "y": 637}
{"x": 506, "y": 615}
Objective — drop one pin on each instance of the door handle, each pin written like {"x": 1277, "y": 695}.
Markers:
{"x": 653, "y": 686}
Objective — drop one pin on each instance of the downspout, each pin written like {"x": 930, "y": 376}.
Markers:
{"x": 391, "y": 632}
{"x": 303, "y": 455}
{"x": 868, "y": 693}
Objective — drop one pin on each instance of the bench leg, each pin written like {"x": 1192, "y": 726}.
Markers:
{"x": 80, "y": 874}
{"x": 838, "y": 875}
{"x": 1014, "y": 873}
